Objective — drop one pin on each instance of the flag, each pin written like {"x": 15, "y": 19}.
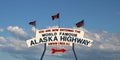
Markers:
{"x": 55, "y": 16}
{"x": 79, "y": 24}
{"x": 33, "y": 23}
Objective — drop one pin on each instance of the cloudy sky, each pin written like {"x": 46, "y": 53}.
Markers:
{"x": 102, "y": 18}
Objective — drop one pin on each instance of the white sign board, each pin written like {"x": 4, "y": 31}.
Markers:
{"x": 59, "y": 37}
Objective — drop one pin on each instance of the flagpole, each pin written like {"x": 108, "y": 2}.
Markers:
{"x": 59, "y": 20}
{"x": 83, "y": 28}
{"x": 59, "y": 23}
{"x": 35, "y": 28}
{"x": 79, "y": 24}
{"x": 74, "y": 51}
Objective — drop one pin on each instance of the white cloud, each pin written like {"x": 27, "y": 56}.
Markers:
{"x": 17, "y": 31}
{"x": 105, "y": 40}
{"x": 1, "y": 30}
{"x": 18, "y": 48}
{"x": 12, "y": 42}
{"x": 2, "y": 40}
{"x": 106, "y": 46}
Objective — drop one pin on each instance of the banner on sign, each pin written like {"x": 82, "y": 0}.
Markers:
{"x": 59, "y": 36}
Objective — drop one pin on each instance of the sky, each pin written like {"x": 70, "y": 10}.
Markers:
{"x": 102, "y": 18}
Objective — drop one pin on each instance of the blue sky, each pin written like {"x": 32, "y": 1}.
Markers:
{"x": 102, "y": 18}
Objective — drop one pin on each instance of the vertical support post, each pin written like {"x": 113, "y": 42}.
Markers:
{"x": 43, "y": 51}
{"x": 74, "y": 51}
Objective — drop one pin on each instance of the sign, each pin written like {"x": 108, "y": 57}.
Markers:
{"x": 59, "y": 37}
